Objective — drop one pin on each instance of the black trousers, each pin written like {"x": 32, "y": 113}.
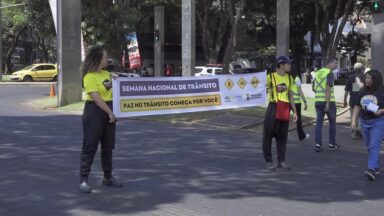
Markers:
{"x": 299, "y": 123}
{"x": 274, "y": 129}
{"x": 97, "y": 129}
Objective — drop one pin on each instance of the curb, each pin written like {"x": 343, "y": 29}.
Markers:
{"x": 27, "y": 83}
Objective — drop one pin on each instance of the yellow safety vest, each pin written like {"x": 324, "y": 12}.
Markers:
{"x": 321, "y": 84}
{"x": 295, "y": 92}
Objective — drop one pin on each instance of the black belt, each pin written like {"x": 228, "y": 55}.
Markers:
{"x": 93, "y": 102}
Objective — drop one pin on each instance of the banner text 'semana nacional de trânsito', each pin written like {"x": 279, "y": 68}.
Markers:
{"x": 165, "y": 95}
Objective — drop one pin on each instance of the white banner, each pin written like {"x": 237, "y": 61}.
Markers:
{"x": 53, "y": 4}
{"x": 165, "y": 95}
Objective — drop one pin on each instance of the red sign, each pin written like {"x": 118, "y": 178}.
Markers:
{"x": 133, "y": 51}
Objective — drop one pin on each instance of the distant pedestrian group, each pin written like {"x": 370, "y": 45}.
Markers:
{"x": 366, "y": 103}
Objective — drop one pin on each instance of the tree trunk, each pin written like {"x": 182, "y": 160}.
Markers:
{"x": 329, "y": 41}
{"x": 11, "y": 50}
{"x": 44, "y": 49}
{"x": 231, "y": 43}
{"x": 347, "y": 11}
{"x": 212, "y": 38}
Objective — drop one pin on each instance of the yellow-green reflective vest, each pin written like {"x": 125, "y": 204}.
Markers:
{"x": 295, "y": 91}
{"x": 320, "y": 85}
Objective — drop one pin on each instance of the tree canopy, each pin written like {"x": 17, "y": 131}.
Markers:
{"x": 226, "y": 28}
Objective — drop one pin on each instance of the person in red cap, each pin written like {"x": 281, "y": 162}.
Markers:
{"x": 277, "y": 116}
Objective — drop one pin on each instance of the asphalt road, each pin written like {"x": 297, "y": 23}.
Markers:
{"x": 172, "y": 170}
{"x": 15, "y": 99}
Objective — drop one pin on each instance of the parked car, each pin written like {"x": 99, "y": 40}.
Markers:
{"x": 36, "y": 72}
{"x": 245, "y": 70}
{"x": 120, "y": 74}
{"x": 208, "y": 71}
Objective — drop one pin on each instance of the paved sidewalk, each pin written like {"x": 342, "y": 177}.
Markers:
{"x": 177, "y": 170}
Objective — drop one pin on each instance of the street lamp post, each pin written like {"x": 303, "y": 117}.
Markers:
{"x": 68, "y": 51}
{"x": 188, "y": 52}
{"x": 282, "y": 28}
{"x": 377, "y": 37}
{"x": 158, "y": 37}
{"x": 1, "y": 43}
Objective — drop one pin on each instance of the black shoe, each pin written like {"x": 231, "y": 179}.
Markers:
{"x": 84, "y": 187}
{"x": 370, "y": 174}
{"x": 332, "y": 147}
{"x": 270, "y": 166}
{"x": 283, "y": 165}
{"x": 112, "y": 182}
{"x": 319, "y": 148}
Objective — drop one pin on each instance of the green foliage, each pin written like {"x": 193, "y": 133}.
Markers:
{"x": 14, "y": 23}
{"x": 13, "y": 19}
{"x": 40, "y": 17}
{"x": 107, "y": 24}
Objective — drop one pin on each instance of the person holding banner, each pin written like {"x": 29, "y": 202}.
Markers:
{"x": 277, "y": 116}
{"x": 99, "y": 122}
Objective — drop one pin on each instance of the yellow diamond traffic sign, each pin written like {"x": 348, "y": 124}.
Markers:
{"x": 255, "y": 82}
{"x": 242, "y": 83}
{"x": 229, "y": 84}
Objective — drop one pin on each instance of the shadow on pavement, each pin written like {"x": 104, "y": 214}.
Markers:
{"x": 161, "y": 163}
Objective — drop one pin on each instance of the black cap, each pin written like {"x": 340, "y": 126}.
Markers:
{"x": 282, "y": 60}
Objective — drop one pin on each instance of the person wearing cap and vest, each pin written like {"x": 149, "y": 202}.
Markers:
{"x": 298, "y": 96}
{"x": 279, "y": 85}
{"x": 323, "y": 87}
{"x": 99, "y": 122}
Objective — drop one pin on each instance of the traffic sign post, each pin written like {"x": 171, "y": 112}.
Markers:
{"x": 158, "y": 38}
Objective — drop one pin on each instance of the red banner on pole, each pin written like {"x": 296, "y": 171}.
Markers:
{"x": 133, "y": 51}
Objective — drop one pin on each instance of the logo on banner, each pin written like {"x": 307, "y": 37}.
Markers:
{"x": 242, "y": 83}
{"x": 255, "y": 82}
{"x": 234, "y": 98}
{"x": 253, "y": 96}
{"x": 229, "y": 84}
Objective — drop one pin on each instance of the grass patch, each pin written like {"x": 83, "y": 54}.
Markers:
{"x": 6, "y": 78}
{"x": 51, "y": 104}
{"x": 311, "y": 111}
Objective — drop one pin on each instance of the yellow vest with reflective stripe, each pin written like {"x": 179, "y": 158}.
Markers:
{"x": 321, "y": 84}
{"x": 274, "y": 80}
{"x": 295, "y": 92}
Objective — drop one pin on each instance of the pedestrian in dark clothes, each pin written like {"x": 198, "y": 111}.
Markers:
{"x": 279, "y": 85}
{"x": 99, "y": 122}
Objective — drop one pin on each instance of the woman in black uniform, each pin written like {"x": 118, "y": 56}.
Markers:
{"x": 98, "y": 118}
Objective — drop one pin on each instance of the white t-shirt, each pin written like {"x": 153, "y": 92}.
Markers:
{"x": 313, "y": 75}
{"x": 298, "y": 82}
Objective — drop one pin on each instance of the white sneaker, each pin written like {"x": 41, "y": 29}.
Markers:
{"x": 306, "y": 137}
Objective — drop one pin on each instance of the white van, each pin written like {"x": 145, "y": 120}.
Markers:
{"x": 207, "y": 71}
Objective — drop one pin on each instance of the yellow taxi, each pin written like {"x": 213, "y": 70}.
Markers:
{"x": 36, "y": 72}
